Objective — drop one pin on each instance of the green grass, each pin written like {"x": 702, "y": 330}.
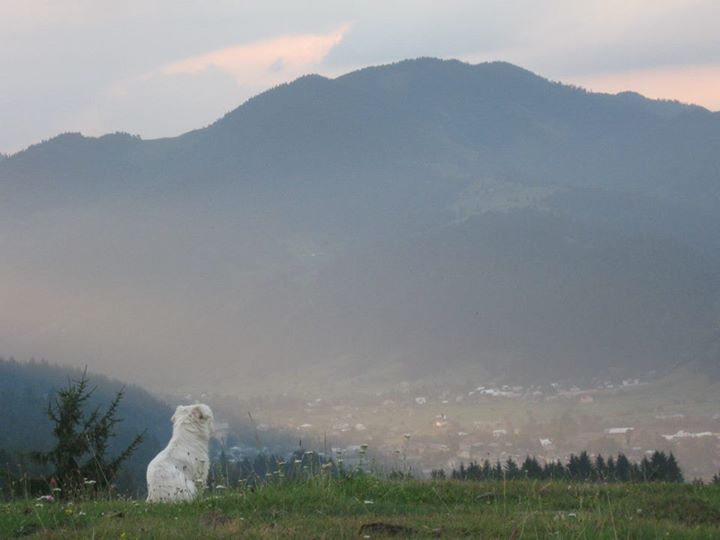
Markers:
{"x": 338, "y": 508}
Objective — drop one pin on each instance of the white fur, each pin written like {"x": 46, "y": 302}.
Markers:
{"x": 177, "y": 472}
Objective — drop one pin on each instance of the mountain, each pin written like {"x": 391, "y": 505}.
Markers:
{"x": 411, "y": 219}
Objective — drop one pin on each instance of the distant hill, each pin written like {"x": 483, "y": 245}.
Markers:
{"x": 431, "y": 215}
{"x": 703, "y": 361}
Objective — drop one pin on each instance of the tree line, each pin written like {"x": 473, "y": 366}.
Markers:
{"x": 660, "y": 467}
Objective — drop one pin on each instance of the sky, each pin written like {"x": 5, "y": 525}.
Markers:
{"x": 164, "y": 67}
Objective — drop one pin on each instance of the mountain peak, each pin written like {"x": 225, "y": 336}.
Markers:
{"x": 430, "y": 210}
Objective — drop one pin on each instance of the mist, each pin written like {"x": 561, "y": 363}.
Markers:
{"x": 302, "y": 239}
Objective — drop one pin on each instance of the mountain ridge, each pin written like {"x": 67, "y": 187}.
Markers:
{"x": 248, "y": 239}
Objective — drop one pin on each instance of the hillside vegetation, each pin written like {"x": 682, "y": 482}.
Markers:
{"x": 25, "y": 390}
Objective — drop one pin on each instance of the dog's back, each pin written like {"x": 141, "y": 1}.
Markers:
{"x": 177, "y": 471}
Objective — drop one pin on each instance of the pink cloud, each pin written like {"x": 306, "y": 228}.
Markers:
{"x": 698, "y": 84}
{"x": 264, "y": 62}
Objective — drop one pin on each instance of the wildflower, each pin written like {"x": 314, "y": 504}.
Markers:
{"x": 219, "y": 486}
{"x": 368, "y": 502}
{"x": 45, "y": 498}
{"x": 56, "y": 489}
{"x": 90, "y": 482}
{"x": 81, "y": 513}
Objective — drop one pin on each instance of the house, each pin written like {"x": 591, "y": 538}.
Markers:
{"x": 622, "y": 433}
{"x": 687, "y": 435}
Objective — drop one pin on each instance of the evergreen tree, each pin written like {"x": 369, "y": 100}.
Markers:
{"x": 81, "y": 441}
{"x": 573, "y": 467}
{"x": 622, "y": 468}
{"x": 531, "y": 468}
{"x": 511, "y": 469}
{"x": 486, "y": 470}
{"x": 610, "y": 477}
{"x": 585, "y": 467}
{"x": 600, "y": 471}
{"x": 556, "y": 471}
{"x": 657, "y": 468}
{"x": 673, "y": 471}
{"x": 498, "y": 473}
{"x": 474, "y": 472}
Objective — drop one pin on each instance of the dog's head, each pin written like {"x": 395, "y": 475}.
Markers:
{"x": 197, "y": 418}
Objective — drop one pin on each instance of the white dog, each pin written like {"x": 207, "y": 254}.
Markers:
{"x": 177, "y": 472}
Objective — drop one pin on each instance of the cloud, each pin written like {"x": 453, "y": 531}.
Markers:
{"x": 698, "y": 84}
{"x": 264, "y": 62}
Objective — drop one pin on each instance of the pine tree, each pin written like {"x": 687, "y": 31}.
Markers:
{"x": 611, "y": 474}
{"x": 81, "y": 442}
{"x": 511, "y": 469}
{"x": 573, "y": 467}
{"x": 474, "y": 471}
{"x": 600, "y": 469}
{"x": 498, "y": 472}
{"x": 531, "y": 468}
{"x": 657, "y": 469}
{"x": 486, "y": 470}
{"x": 673, "y": 471}
{"x": 585, "y": 467}
{"x": 622, "y": 468}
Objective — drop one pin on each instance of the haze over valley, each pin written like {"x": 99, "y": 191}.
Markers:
{"x": 490, "y": 258}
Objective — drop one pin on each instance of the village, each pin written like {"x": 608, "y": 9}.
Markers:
{"x": 415, "y": 430}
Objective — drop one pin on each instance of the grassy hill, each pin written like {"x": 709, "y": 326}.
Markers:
{"x": 367, "y": 507}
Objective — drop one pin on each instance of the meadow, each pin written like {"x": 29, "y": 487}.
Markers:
{"x": 369, "y": 507}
